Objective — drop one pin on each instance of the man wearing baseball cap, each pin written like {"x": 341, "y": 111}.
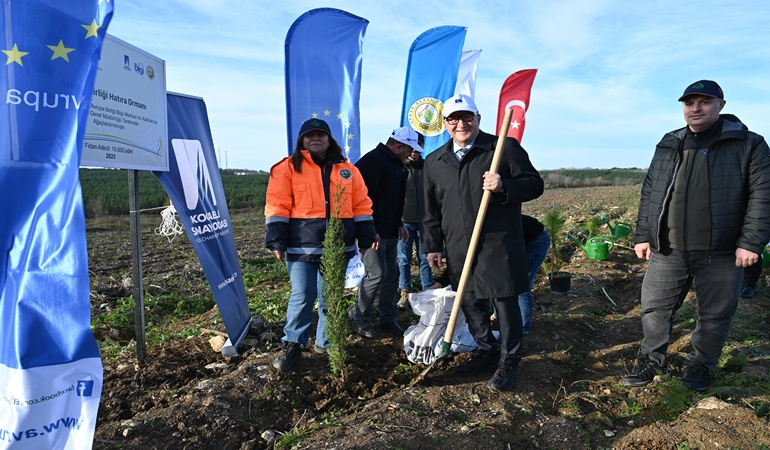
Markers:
{"x": 385, "y": 177}
{"x": 703, "y": 215}
{"x": 455, "y": 177}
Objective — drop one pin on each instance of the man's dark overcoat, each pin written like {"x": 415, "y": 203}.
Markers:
{"x": 453, "y": 192}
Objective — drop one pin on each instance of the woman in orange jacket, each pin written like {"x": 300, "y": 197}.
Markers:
{"x": 299, "y": 203}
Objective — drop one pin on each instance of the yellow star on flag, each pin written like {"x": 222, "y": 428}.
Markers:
{"x": 92, "y": 29}
{"x": 339, "y": 116}
{"x": 315, "y": 115}
{"x": 60, "y": 51}
{"x": 347, "y": 124}
{"x": 327, "y": 112}
{"x": 347, "y": 148}
{"x": 14, "y": 55}
{"x": 350, "y": 136}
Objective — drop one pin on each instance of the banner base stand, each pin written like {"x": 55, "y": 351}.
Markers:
{"x": 230, "y": 349}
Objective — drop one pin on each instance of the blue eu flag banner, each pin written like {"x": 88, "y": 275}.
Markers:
{"x": 323, "y": 75}
{"x": 50, "y": 366}
{"x": 194, "y": 185}
{"x": 431, "y": 77}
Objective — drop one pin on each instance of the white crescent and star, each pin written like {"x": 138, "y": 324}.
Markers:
{"x": 520, "y": 104}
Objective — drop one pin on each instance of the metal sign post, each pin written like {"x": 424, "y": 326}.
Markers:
{"x": 136, "y": 251}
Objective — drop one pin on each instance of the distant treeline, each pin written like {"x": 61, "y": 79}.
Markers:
{"x": 571, "y": 178}
{"x": 105, "y": 191}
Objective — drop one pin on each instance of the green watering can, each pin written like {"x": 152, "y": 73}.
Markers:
{"x": 597, "y": 248}
{"x": 620, "y": 230}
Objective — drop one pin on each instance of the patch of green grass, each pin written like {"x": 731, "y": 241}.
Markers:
{"x": 675, "y": 398}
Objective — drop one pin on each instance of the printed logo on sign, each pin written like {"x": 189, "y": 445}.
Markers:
{"x": 197, "y": 186}
{"x": 126, "y": 62}
{"x": 194, "y": 171}
{"x": 150, "y": 72}
{"x": 346, "y": 174}
{"x": 426, "y": 116}
{"x": 139, "y": 68}
{"x": 85, "y": 388}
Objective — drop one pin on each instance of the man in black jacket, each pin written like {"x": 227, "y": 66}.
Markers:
{"x": 704, "y": 214}
{"x": 455, "y": 177}
{"x": 385, "y": 177}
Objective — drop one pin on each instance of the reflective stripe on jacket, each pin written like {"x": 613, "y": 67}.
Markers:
{"x": 299, "y": 204}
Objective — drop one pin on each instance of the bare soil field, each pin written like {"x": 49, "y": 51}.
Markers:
{"x": 187, "y": 396}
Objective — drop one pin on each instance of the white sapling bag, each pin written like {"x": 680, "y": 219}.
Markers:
{"x": 422, "y": 342}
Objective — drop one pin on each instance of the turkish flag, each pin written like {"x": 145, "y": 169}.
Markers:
{"x": 515, "y": 94}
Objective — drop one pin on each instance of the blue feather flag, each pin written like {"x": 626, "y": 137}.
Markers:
{"x": 323, "y": 75}
{"x": 431, "y": 77}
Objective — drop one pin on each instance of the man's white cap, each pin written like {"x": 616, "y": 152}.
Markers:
{"x": 408, "y": 136}
{"x": 459, "y": 102}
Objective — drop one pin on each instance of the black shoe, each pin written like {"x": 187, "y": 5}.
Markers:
{"x": 696, "y": 376}
{"x": 748, "y": 291}
{"x": 644, "y": 372}
{"x": 292, "y": 352}
{"x": 504, "y": 377}
{"x": 392, "y": 328}
{"x": 365, "y": 329}
{"x": 482, "y": 362}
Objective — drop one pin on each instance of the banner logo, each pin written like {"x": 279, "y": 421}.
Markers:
{"x": 85, "y": 388}
{"x": 426, "y": 116}
{"x": 194, "y": 172}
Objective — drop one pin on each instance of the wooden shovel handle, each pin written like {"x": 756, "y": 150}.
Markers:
{"x": 450, "y": 326}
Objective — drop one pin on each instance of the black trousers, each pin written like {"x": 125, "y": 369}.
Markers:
{"x": 477, "y": 313}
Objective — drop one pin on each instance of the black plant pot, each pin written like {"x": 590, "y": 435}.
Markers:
{"x": 560, "y": 282}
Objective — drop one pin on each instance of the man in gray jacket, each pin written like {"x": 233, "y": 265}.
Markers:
{"x": 704, "y": 215}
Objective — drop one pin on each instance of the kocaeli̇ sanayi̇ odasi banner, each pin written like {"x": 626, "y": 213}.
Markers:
{"x": 50, "y": 367}
{"x": 195, "y": 187}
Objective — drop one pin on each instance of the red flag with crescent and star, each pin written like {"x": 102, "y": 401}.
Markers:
{"x": 515, "y": 94}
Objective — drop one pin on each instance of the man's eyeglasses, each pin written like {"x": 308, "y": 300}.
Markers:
{"x": 467, "y": 118}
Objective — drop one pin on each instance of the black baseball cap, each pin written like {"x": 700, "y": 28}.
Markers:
{"x": 314, "y": 124}
{"x": 704, "y": 87}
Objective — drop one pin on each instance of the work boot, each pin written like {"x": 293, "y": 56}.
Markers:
{"x": 392, "y": 327}
{"x": 481, "y": 362}
{"x": 365, "y": 329}
{"x": 403, "y": 302}
{"x": 292, "y": 352}
{"x": 320, "y": 350}
{"x": 696, "y": 376}
{"x": 504, "y": 377}
{"x": 644, "y": 372}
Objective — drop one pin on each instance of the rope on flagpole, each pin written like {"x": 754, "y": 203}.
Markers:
{"x": 169, "y": 225}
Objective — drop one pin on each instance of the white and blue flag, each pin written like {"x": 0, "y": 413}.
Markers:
{"x": 50, "y": 367}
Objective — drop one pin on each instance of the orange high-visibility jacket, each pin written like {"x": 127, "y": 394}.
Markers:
{"x": 299, "y": 204}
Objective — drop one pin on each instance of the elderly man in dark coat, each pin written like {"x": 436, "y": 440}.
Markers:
{"x": 455, "y": 177}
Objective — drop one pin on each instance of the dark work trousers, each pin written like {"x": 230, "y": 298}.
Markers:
{"x": 380, "y": 282}
{"x": 717, "y": 284}
{"x": 477, "y": 312}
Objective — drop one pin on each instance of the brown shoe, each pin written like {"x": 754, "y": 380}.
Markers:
{"x": 403, "y": 302}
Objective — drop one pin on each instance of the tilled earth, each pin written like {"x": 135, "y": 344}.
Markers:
{"x": 187, "y": 396}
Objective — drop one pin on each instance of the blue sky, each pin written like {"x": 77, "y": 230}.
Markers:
{"x": 609, "y": 72}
